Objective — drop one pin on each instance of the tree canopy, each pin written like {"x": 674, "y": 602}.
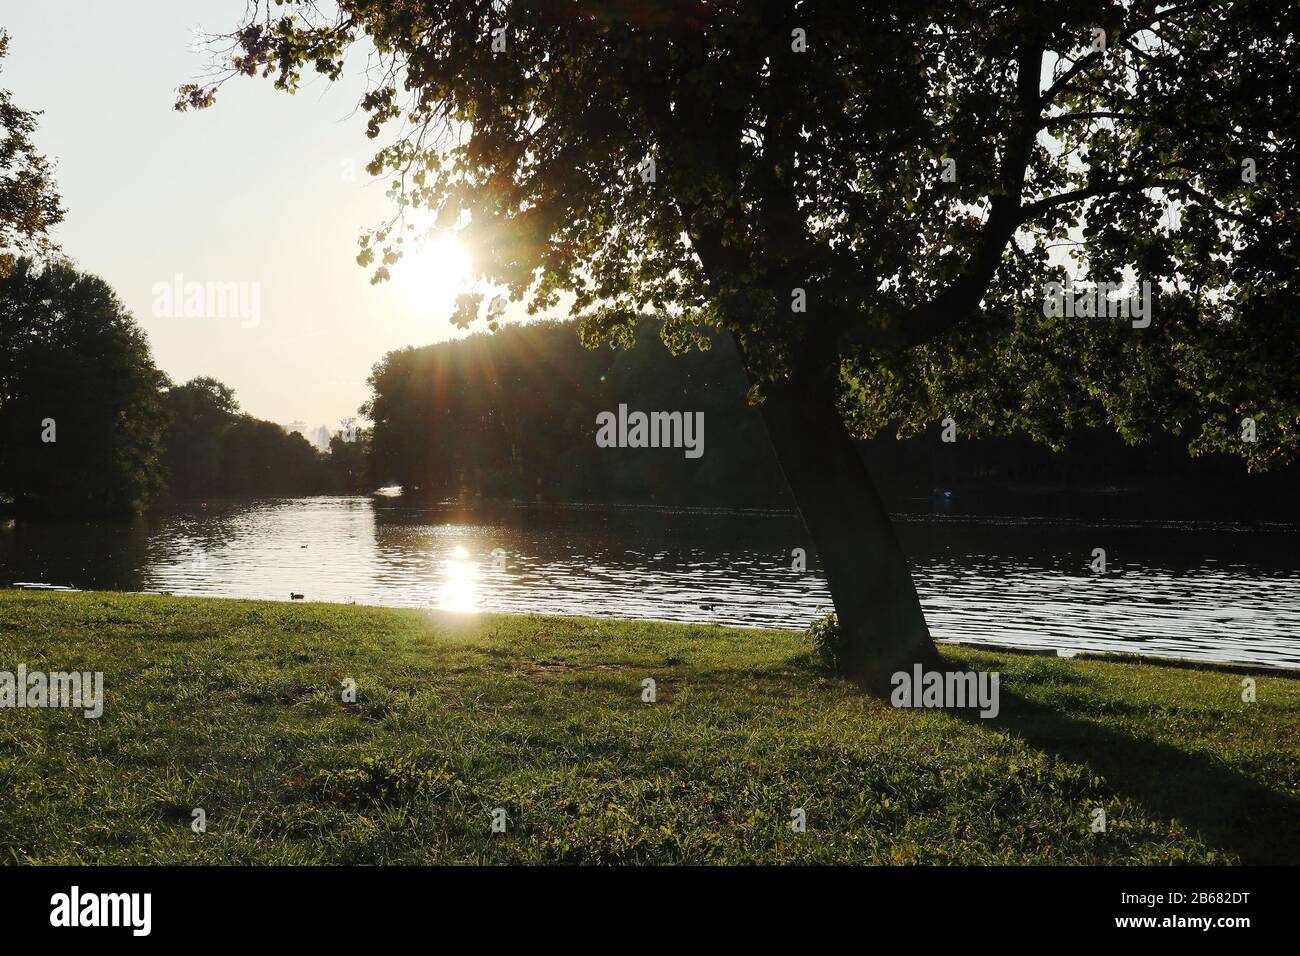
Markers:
{"x": 29, "y": 204}
{"x": 806, "y": 146}
{"x": 211, "y": 448}
{"x": 80, "y": 413}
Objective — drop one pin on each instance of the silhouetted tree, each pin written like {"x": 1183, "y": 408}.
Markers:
{"x": 348, "y": 462}
{"x": 80, "y": 413}
{"x": 546, "y": 388}
{"x": 866, "y": 197}
{"x": 259, "y": 458}
{"x": 510, "y": 415}
{"x": 213, "y": 449}
{"x": 199, "y": 414}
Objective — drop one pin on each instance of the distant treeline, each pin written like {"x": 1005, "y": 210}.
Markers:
{"x": 211, "y": 449}
{"x": 90, "y": 426}
{"x": 513, "y": 414}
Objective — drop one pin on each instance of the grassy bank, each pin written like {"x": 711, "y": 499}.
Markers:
{"x": 235, "y": 707}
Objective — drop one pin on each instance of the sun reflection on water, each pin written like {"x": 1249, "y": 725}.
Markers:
{"x": 459, "y": 590}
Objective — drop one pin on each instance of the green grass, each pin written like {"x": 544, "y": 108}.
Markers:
{"x": 235, "y": 707}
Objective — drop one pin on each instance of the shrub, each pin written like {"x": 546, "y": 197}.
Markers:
{"x": 827, "y": 642}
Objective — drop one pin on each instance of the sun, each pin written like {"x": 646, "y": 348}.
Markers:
{"x": 430, "y": 276}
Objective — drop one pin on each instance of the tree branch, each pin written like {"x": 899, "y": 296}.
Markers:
{"x": 963, "y": 294}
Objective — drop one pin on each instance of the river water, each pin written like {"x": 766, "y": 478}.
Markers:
{"x": 1204, "y": 591}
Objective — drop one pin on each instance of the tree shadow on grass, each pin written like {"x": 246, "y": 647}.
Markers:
{"x": 1230, "y": 810}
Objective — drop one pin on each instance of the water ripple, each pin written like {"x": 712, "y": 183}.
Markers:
{"x": 1174, "y": 589}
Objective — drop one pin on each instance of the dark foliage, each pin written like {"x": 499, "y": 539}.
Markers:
{"x": 80, "y": 413}
{"x": 211, "y": 449}
{"x": 513, "y": 414}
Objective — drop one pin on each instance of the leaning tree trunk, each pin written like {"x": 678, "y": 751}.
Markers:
{"x": 880, "y": 616}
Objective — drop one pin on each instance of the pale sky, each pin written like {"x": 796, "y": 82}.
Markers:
{"x": 263, "y": 188}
